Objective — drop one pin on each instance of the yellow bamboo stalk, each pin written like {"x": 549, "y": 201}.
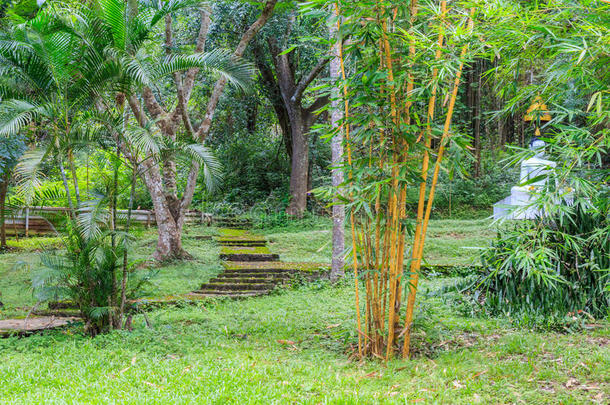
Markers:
{"x": 349, "y": 160}
{"x": 392, "y": 209}
{"x": 426, "y": 158}
{"x": 403, "y": 191}
{"x": 444, "y": 137}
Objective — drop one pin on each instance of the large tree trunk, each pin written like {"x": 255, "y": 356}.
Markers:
{"x": 336, "y": 115}
{"x": 301, "y": 119}
{"x": 300, "y": 166}
{"x": 169, "y": 227}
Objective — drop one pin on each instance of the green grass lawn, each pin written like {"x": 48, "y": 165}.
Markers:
{"x": 294, "y": 346}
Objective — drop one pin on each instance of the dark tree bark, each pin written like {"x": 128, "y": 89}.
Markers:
{"x": 295, "y": 119}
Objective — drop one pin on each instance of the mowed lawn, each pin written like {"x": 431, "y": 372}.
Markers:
{"x": 296, "y": 346}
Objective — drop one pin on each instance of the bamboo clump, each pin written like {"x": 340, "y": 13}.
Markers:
{"x": 378, "y": 196}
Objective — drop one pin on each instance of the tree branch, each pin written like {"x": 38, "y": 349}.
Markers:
{"x": 136, "y": 108}
{"x": 306, "y": 81}
{"x": 311, "y": 112}
{"x": 204, "y": 128}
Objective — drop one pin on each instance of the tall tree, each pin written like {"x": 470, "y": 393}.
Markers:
{"x": 161, "y": 181}
{"x": 336, "y": 116}
{"x": 286, "y": 75}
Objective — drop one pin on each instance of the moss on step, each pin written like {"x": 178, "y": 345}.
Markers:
{"x": 244, "y": 250}
{"x": 298, "y": 266}
{"x": 230, "y": 232}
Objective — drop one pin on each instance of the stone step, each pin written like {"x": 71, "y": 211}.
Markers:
{"x": 199, "y": 237}
{"x": 236, "y": 286}
{"x": 262, "y": 276}
{"x": 232, "y": 276}
{"x": 248, "y": 280}
{"x": 227, "y": 294}
{"x": 254, "y": 272}
{"x": 250, "y": 257}
{"x": 246, "y": 243}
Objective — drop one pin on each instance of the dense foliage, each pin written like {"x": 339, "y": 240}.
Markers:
{"x": 553, "y": 271}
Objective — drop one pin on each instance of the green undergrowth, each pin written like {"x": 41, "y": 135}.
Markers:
{"x": 297, "y": 344}
{"x": 295, "y": 347}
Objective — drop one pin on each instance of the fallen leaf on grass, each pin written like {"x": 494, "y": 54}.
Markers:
{"x": 572, "y": 382}
{"x": 286, "y": 342}
{"x": 478, "y": 374}
{"x": 373, "y": 374}
{"x": 334, "y": 325}
{"x": 151, "y": 384}
{"x": 133, "y": 361}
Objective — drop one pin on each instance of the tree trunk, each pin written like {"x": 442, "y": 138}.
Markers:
{"x": 300, "y": 166}
{"x": 3, "y": 189}
{"x": 169, "y": 228}
{"x": 336, "y": 116}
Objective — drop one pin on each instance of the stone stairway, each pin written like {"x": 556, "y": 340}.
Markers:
{"x": 250, "y": 269}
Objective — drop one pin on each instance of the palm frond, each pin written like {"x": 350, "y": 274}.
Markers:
{"x": 28, "y": 173}
{"x": 220, "y": 62}
{"x": 91, "y": 216}
{"x": 145, "y": 140}
{"x": 211, "y": 168}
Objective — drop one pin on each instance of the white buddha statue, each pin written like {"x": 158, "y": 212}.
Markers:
{"x": 520, "y": 203}
{"x": 523, "y": 195}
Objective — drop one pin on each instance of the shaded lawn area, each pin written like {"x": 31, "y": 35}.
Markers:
{"x": 449, "y": 242}
{"x": 295, "y": 346}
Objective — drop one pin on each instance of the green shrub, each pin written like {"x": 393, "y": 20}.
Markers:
{"x": 553, "y": 271}
{"x": 87, "y": 271}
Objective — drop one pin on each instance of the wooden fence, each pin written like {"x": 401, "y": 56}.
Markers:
{"x": 44, "y": 220}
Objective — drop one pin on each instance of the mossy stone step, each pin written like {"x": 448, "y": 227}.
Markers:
{"x": 250, "y": 257}
{"x": 247, "y": 280}
{"x": 233, "y": 276}
{"x": 233, "y": 233}
{"x": 305, "y": 267}
{"x": 244, "y": 249}
{"x": 275, "y": 272}
{"x": 226, "y": 294}
{"x": 244, "y": 243}
{"x": 236, "y": 286}
{"x": 199, "y": 237}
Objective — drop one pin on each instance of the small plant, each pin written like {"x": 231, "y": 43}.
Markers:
{"x": 88, "y": 271}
